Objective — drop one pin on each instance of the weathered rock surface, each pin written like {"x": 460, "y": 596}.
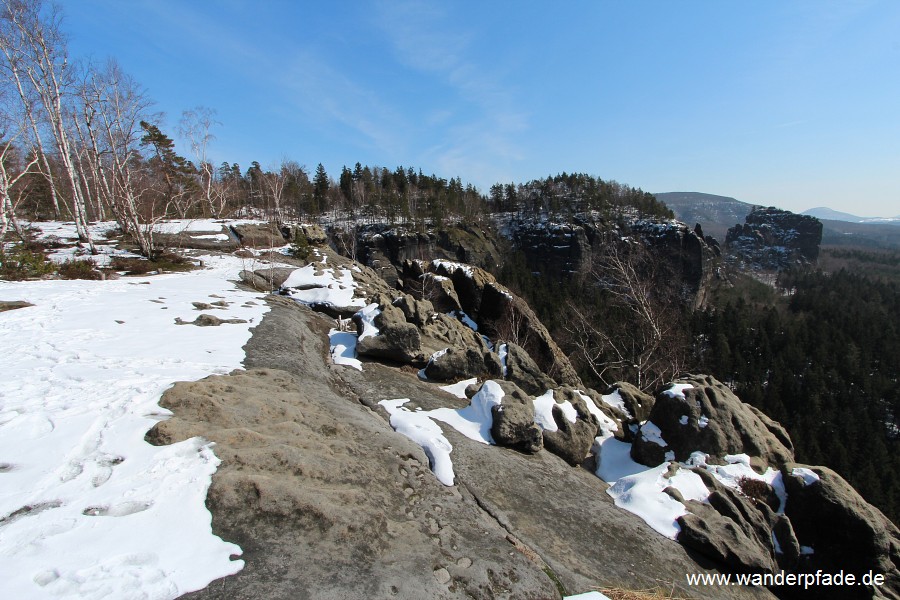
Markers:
{"x": 397, "y": 340}
{"x": 385, "y": 248}
{"x": 327, "y": 501}
{"x": 456, "y": 364}
{"x": 513, "y": 421}
{"x": 570, "y": 244}
{"x": 253, "y": 235}
{"x": 844, "y": 531}
{"x": 774, "y": 239}
{"x": 637, "y": 403}
{"x": 730, "y": 528}
{"x": 711, "y": 419}
{"x": 521, "y": 370}
{"x": 13, "y": 304}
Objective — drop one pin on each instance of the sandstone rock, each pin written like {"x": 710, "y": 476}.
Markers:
{"x": 254, "y": 235}
{"x": 513, "y": 420}
{"x": 571, "y": 441}
{"x": 13, "y": 304}
{"x": 844, "y": 531}
{"x": 314, "y": 234}
{"x": 708, "y": 417}
{"x": 730, "y": 528}
{"x": 772, "y": 238}
{"x": 457, "y": 364}
{"x": 514, "y": 427}
{"x": 397, "y": 340}
{"x": 521, "y": 370}
{"x": 206, "y": 320}
{"x": 637, "y": 403}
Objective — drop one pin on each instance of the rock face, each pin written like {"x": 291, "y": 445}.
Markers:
{"x": 701, "y": 414}
{"x": 385, "y": 248}
{"x": 568, "y": 246}
{"x": 774, "y": 239}
{"x": 842, "y": 529}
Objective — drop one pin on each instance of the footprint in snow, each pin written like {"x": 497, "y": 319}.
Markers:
{"x": 123, "y": 509}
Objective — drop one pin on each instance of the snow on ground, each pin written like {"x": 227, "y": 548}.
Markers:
{"x": 307, "y": 286}
{"x": 616, "y": 401}
{"x": 473, "y": 421}
{"x": 367, "y": 317}
{"x": 205, "y": 225}
{"x": 419, "y": 427}
{"x": 450, "y": 266}
{"x": 64, "y": 232}
{"x": 459, "y": 389}
{"x": 587, "y": 596}
{"x": 343, "y": 348}
{"x": 543, "y": 411}
{"x": 809, "y": 476}
{"x": 606, "y": 424}
{"x": 89, "y": 509}
{"x": 639, "y": 489}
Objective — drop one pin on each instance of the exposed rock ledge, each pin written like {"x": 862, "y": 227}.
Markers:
{"x": 327, "y": 501}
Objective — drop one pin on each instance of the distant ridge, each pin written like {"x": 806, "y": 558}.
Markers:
{"x": 714, "y": 213}
{"x": 823, "y": 212}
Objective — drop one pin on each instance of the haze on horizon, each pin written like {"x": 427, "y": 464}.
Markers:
{"x": 774, "y": 103}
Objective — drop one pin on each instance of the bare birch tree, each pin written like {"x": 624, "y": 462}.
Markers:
{"x": 113, "y": 106}
{"x": 196, "y": 127}
{"x": 36, "y": 57}
{"x": 635, "y": 330}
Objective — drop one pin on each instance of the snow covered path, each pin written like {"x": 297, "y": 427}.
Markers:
{"x": 88, "y": 509}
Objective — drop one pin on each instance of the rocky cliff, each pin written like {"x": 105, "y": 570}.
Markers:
{"x": 774, "y": 239}
{"x": 439, "y": 445}
{"x": 570, "y": 246}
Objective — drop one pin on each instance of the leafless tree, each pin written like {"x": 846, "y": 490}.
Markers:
{"x": 273, "y": 183}
{"x": 196, "y": 127}
{"x": 112, "y": 108}
{"x": 13, "y": 170}
{"x": 637, "y": 330}
{"x": 37, "y": 61}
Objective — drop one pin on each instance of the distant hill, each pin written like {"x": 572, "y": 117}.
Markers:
{"x": 825, "y": 213}
{"x": 714, "y": 213}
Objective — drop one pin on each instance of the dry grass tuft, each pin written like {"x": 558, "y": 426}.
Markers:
{"x": 649, "y": 594}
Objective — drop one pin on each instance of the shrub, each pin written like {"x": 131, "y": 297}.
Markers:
{"x": 754, "y": 489}
{"x": 165, "y": 261}
{"x": 79, "y": 269}
{"x": 18, "y": 263}
{"x": 300, "y": 246}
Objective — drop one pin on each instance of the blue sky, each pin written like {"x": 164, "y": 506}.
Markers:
{"x": 795, "y": 104}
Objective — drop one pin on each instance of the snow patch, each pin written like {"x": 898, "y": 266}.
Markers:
{"x": 677, "y": 390}
{"x": 650, "y": 432}
{"x": 808, "y": 476}
{"x": 84, "y": 369}
{"x": 543, "y": 411}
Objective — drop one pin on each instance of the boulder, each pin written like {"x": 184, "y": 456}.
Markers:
{"x": 706, "y": 416}
{"x": 843, "y": 530}
{"x": 523, "y": 371}
{"x": 397, "y": 340}
{"x": 513, "y": 421}
{"x": 259, "y": 235}
{"x": 457, "y": 364}
{"x": 730, "y": 528}
{"x": 637, "y": 403}
{"x": 266, "y": 280}
{"x": 571, "y": 441}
